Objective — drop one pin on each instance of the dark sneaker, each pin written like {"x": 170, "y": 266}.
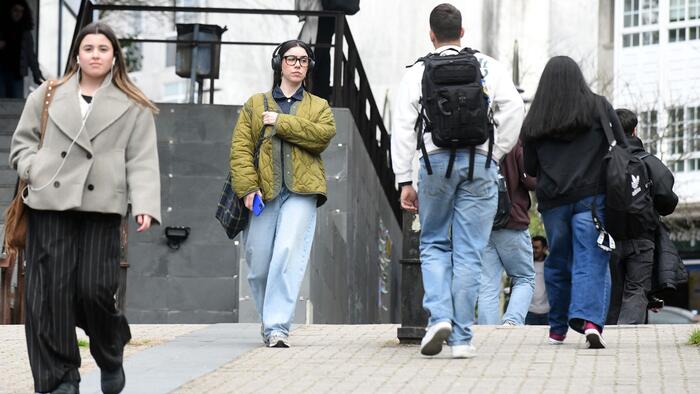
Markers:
{"x": 556, "y": 339}
{"x": 113, "y": 382}
{"x": 67, "y": 388}
{"x": 593, "y": 338}
{"x": 434, "y": 338}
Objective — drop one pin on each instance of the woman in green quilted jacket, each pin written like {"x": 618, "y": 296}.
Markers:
{"x": 290, "y": 180}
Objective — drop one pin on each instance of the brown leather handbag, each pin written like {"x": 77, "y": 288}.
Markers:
{"x": 15, "y": 215}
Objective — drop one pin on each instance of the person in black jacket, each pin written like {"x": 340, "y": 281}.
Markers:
{"x": 632, "y": 262}
{"x": 564, "y": 146}
{"x": 17, "y": 49}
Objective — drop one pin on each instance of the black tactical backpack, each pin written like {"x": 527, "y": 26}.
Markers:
{"x": 629, "y": 203}
{"x": 454, "y": 106}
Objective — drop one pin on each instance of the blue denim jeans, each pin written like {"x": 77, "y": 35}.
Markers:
{"x": 277, "y": 248}
{"x": 451, "y": 265}
{"x": 576, "y": 271}
{"x": 512, "y": 250}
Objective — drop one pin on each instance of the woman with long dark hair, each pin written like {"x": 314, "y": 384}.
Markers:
{"x": 17, "y": 49}
{"x": 289, "y": 177}
{"x": 564, "y": 148}
{"x": 98, "y": 154}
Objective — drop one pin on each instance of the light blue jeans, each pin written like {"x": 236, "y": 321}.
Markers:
{"x": 277, "y": 248}
{"x": 512, "y": 250}
{"x": 451, "y": 266}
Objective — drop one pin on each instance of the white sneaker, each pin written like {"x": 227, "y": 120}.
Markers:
{"x": 507, "y": 324}
{"x": 277, "y": 339}
{"x": 594, "y": 340}
{"x": 463, "y": 351}
{"x": 434, "y": 338}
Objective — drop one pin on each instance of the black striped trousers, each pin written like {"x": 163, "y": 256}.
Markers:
{"x": 72, "y": 277}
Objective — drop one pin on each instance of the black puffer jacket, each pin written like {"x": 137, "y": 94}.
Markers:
{"x": 669, "y": 270}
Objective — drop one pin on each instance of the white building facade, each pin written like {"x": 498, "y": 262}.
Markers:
{"x": 657, "y": 75}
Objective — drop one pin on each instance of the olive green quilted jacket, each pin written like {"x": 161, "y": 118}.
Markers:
{"x": 290, "y": 152}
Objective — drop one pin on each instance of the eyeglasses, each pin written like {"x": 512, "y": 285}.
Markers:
{"x": 291, "y": 60}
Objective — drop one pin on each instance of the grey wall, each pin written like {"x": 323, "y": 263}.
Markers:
{"x": 197, "y": 283}
{"x": 202, "y": 282}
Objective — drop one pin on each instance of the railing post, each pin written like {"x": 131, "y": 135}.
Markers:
{"x": 413, "y": 316}
{"x": 338, "y": 60}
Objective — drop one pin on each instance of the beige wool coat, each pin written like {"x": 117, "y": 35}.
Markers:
{"x": 114, "y": 161}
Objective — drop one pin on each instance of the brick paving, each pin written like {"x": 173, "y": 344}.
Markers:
{"x": 16, "y": 377}
{"x": 368, "y": 358}
{"x": 361, "y": 359}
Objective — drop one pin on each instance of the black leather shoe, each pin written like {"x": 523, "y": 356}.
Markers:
{"x": 113, "y": 382}
{"x": 67, "y": 388}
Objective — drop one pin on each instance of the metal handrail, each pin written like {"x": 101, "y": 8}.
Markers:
{"x": 345, "y": 92}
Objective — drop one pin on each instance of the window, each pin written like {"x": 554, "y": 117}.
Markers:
{"x": 677, "y": 11}
{"x": 676, "y": 130}
{"x": 693, "y": 128}
{"x": 632, "y": 39}
{"x": 170, "y": 50}
{"x": 640, "y": 13}
{"x": 647, "y": 130}
{"x": 650, "y": 12}
{"x": 693, "y": 9}
{"x": 677, "y": 165}
{"x": 694, "y": 165}
{"x": 631, "y": 13}
{"x": 175, "y": 91}
{"x": 677, "y": 35}
{"x": 650, "y": 37}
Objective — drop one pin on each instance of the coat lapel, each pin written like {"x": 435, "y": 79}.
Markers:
{"x": 64, "y": 111}
{"x": 109, "y": 104}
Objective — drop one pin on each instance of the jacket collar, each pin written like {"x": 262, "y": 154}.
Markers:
{"x": 277, "y": 93}
{"x": 635, "y": 144}
{"x": 108, "y": 105}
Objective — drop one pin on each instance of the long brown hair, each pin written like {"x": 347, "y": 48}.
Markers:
{"x": 120, "y": 78}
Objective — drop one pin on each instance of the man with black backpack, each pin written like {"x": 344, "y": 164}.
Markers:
{"x": 633, "y": 259}
{"x": 463, "y": 113}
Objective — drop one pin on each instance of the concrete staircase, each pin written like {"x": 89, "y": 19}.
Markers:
{"x": 10, "y": 111}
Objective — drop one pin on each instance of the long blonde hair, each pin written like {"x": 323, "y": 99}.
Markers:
{"x": 120, "y": 78}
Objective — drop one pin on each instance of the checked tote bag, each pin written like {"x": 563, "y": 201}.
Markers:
{"x": 231, "y": 211}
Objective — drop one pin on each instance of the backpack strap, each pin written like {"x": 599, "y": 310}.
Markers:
{"x": 420, "y": 131}
{"x": 472, "y": 154}
{"x": 453, "y": 154}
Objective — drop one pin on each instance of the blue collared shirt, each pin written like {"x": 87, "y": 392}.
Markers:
{"x": 284, "y": 102}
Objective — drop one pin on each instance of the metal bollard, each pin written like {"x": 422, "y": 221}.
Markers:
{"x": 413, "y": 317}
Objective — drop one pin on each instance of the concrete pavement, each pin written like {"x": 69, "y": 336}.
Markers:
{"x": 367, "y": 358}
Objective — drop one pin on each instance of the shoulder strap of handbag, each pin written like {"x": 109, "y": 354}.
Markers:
{"x": 256, "y": 152}
{"x": 48, "y": 97}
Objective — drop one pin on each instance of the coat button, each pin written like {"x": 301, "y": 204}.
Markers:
{"x": 89, "y": 156}
{"x": 57, "y": 184}
{"x": 91, "y": 187}
{"x": 63, "y": 154}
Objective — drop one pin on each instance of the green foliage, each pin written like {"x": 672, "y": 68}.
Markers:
{"x": 536, "y": 225}
{"x": 83, "y": 343}
{"x": 694, "y": 337}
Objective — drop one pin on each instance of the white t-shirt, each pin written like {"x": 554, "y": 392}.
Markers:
{"x": 539, "y": 303}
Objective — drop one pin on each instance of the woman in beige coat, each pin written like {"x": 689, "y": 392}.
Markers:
{"x": 98, "y": 154}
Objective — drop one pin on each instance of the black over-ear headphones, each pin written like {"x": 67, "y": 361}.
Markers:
{"x": 276, "y": 61}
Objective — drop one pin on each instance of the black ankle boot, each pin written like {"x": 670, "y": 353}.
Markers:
{"x": 67, "y": 388}
{"x": 113, "y": 382}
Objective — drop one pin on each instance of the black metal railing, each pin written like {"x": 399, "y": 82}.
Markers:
{"x": 345, "y": 91}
